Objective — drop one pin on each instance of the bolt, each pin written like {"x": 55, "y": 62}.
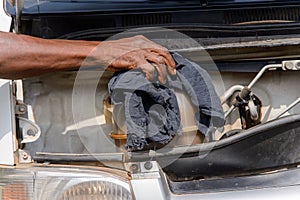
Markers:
{"x": 25, "y": 156}
{"x": 298, "y": 65}
{"x": 148, "y": 165}
{"x": 22, "y": 109}
{"x": 134, "y": 168}
{"x": 30, "y": 132}
{"x": 289, "y": 65}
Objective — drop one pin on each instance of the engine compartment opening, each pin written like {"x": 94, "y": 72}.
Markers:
{"x": 272, "y": 92}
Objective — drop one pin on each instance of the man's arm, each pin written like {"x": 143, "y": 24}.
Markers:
{"x": 23, "y": 56}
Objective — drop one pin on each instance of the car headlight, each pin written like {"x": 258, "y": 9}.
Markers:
{"x": 62, "y": 183}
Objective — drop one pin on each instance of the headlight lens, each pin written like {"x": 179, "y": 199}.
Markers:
{"x": 62, "y": 184}
{"x": 98, "y": 190}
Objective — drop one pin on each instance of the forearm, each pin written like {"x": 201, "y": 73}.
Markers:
{"x": 23, "y": 56}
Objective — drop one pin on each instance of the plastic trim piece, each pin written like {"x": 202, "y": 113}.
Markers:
{"x": 65, "y": 157}
{"x": 287, "y": 177}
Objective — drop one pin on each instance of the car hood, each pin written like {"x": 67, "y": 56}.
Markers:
{"x": 69, "y": 6}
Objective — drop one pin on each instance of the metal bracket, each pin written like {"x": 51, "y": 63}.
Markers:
{"x": 147, "y": 175}
{"x": 24, "y": 156}
{"x": 291, "y": 65}
{"x": 30, "y": 131}
{"x": 143, "y": 170}
{"x": 20, "y": 108}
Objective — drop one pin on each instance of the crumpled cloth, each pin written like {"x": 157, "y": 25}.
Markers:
{"x": 151, "y": 109}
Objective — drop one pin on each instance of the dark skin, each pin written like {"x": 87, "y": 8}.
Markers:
{"x": 23, "y": 56}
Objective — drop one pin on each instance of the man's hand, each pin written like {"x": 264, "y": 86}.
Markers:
{"x": 23, "y": 56}
{"x": 138, "y": 52}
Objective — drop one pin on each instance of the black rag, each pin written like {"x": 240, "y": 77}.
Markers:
{"x": 151, "y": 109}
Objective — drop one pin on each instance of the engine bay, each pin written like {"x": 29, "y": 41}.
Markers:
{"x": 49, "y": 105}
{"x": 70, "y": 117}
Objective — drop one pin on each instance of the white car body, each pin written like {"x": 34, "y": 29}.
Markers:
{"x": 147, "y": 185}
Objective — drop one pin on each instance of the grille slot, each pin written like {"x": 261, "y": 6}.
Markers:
{"x": 264, "y": 14}
{"x": 146, "y": 19}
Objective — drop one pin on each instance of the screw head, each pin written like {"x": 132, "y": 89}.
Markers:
{"x": 134, "y": 168}
{"x": 30, "y": 132}
{"x": 289, "y": 65}
{"x": 22, "y": 109}
{"x": 148, "y": 165}
{"x": 298, "y": 65}
{"x": 25, "y": 156}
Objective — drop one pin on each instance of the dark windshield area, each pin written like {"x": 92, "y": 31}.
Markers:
{"x": 68, "y": 6}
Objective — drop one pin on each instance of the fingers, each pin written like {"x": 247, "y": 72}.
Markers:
{"x": 149, "y": 61}
{"x": 132, "y": 60}
{"x": 167, "y": 59}
{"x": 148, "y": 70}
{"x": 139, "y": 48}
{"x": 159, "y": 64}
{"x": 162, "y": 73}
